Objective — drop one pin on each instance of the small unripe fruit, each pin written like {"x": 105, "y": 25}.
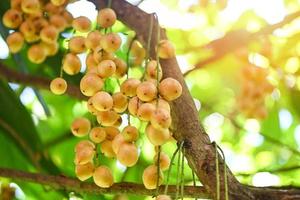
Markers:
{"x": 90, "y": 84}
{"x": 12, "y": 18}
{"x": 106, "y": 17}
{"x": 120, "y": 102}
{"x": 91, "y": 107}
{"x": 133, "y": 105}
{"x": 81, "y": 127}
{"x": 161, "y": 118}
{"x": 92, "y": 40}
{"x": 15, "y": 42}
{"x": 82, "y": 24}
{"x": 128, "y": 87}
{"x": 161, "y": 103}
{"x": 166, "y": 49}
{"x": 36, "y": 54}
{"x": 77, "y": 44}
{"x": 164, "y": 161}
{"x": 97, "y": 134}
{"x": 111, "y": 42}
{"x": 170, "y": 89}
{"x": 84, "y": 172}
{"x": 128, "y": 154}
{"x": 90, "y": 62}
{"x": 58, "y": 2}
{"x": 30, "y": 6}
{"x": 49, "y": 34}
{"x": 99, "y": 54}
{"x": 130, "y": 133}
{"x": 145, "y": 111}
{"x": 146, "y": 91}
{"x": 121, "y": 67}
{"x": 150, "y": 177}
{"x": 50, "y": 48}
{"x": 151, "y": 70}
{"x": 71, "y": 64}
{"x": 163, "y": 197}
{"x": 117, "y": 142}
{"x": 106, "y": 68}
{"x": 111, "y": 132}
{"x": 106, "y": 149}
{"x": 103, "y": 177}
{"x": 107, "y": 118}
{"x": 58, "y": 86}
{"x": 157, "y": 136}
{"x": 83, "y": 145}
{"x": 102, "y": 101}
{"x": 58, "y": 21}
{"x": 84, "y": 155}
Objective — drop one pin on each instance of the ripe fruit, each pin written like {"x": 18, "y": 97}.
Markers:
{"x": 107, "y": 118}
{"x": 111, "y": 42}
{"x": 84, "y": 144}
{"x": 81, "y": 127}
{"x": 91, "y": 62}
{"x": 166, "y": 49}
{"x": 121, "y": 67}
{"x": 157, "y": 136}
{"x": 92, "y": 40}
{"x": 99, "y": 54}
{"x": 111, "y": 132}
{"x": 103, "y": 177}
{"x": 29, "y": 31}
{"x": 106, "y": 17}
{"x": 58, "y": 2}
{"x": 146, "y": 91}
{"x": 30, "y": 6}
{"x": 58, "y": 21}
{"x": 91, "y": 107}
{"x": 151, "y": 70}
{"x": 106, "y": 68}
{"x": 145, "y": 111}
{"x": 163, "y": 197}
{"x": 161, "y": 103}
{"x": 133, "y": 105}
{"x": 12, "y": 18}
{"x": 150, "y": 177}
{"x": 102, "y": 101}
{"x": 128, "y": 154}
{"x": 117, "y": 142}
{"x": 49, "y": 34}
{"x": 71, "y": 64}
{"x": 130, "y": 133}
{"x": 84, "y": 155}
{"x": 15, "y": 42}
{"x": 161, "y": 118}
{"x": 97, "y": 134}
{"x": 58, "y": 86}
{"x": 16, "y": 4}
{"x": 77, "y": 44}
{"x": 84, "y": 172}
{"x": 120, "y": 102}
{"x": 90, "y": 84}
{"x": 164, "y": 161}
{"x": 106, "y": 149}
{"x": 170, "y": 89}
{"x": 128, "y": 87}
{"x": 82, "y": 24}
{"x": 50, "y": 48}
{"x": 36, "y": 54}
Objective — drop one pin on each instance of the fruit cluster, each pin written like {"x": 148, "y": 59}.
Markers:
{"x": 255, "y": 87}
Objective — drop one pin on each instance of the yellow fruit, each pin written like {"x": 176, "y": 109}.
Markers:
{"x": 164, "y": 161}
{"x": 99, "y": 54}
{"x": 92, "y": 40}
{"x": 107, "y": 118}
{"x": 161, "y": 103}
{"x": 83, "y": 145}
{"x": 90, "y": 84}
{"x": 163, "y": 197}
{"x": 50, "y": 48}
{"x": 58, "y": 86}
{"x": 106, "y": 17}
{"x": 102, "y": 101}
{"x": 106, "y": 68}
{"x": 36, "y": 54}
{"x": 81, "y": 127}
{"x": 170, "y": 89}
{"x": 58, "y": 21}
{"x": 111, "y": 42}
{"x": 151, "y": 71}
{"x": 84, "y": 172}
{"x": 166, "y": 49}
{"x": 117, "y": 142}
{"x": 90, "y": 62}
{"x": 49, "y": 34}
{"x": 97, "y": 134}
{"x": 77, "y": 44}
{"x": 138, "y": 53}
{"x": 118, "y": 122}
{"x": 157, "y": 136}
{"x": 103, "y": 177}
{"x": 146, "y": 91}
{"x": 128, "y": 154}
{"x": 91, "y": 107}
{"x": 84, "y": 155}
{"x": 128, "y": 87}
{"x": 106, "y": 149}
{"x": 12, "y": 18}
{"x": 121, "y": 67}
{"x": 29, "y": 31}
{"x": 161, "y": 118}
{"x": 16, "y": 4}
{"x": 30, "y": 6}
{"x": 111, "y": 132}
{"x": 71, "y": 64}
{"x": 58, "y": 2}
{"x": 68, "y": 18}
{"x": 82, "y": 24}
{"x": 133, "y": 105}
{"x": 130, "y": 133}
{"x": 145, "y": 111}
{"x": 120, "y": 102}
{"x": 150, "y": 177}
{"x": 15, "y": 42}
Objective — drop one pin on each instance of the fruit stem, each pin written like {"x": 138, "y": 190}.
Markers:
{"x": 157, "y": 59}
{"x": 182, "y": 174}
{"x": 194, "y": 181}
{"x": 225, "y": 174}
{"x": 158, "y": 169}
{"x": 217, "y": 172}
{"x": 178, "y": 169}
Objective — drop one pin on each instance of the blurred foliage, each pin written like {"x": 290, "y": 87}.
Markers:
{"x": 37, "y": 142}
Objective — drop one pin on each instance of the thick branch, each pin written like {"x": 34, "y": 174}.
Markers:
{"x": 71, "y": 184}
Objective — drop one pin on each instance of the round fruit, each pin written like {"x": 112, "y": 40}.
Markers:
{"x": 30, "y": 6}
{"x": 161, "y": 118}
{"x": 12, "y": 18}
{"x": 157, "y": 136}
{"x": 106, "y": 68}
{"x": 150, "y": 177}
{"x": 164, "y": 161}
{"x": 81, "y": 127}
{"x": 102, "y": 101}
{"x": 106, "y": 17}
{"x": 71, "y": 64}
{"x": 146, "y": 91}
{"x": 90, "y": 62}
{"x": 128, "y": 154}
{"x": 77, "y": 44}
{"x": 170, "y": 89}
{"x": 121, "y": 67}
{"x": 151, "y": 70}
{"x": 166, "y": 49}
{"x": 49, "y": 34}
{"x": 50, "y": 48}
{"x": 106, "y": 149}
{"x": 82, "y": 24}
{"x": 91, "y": 107}
{"x": 58, "y": 21}
{"x": 92, "y": 40}
{"x": 128, "y": 87}
{"x": 163, "y": 197}
{"x": 130, "y": 133}
{"x": 84, "y": 172}
{"x": 36, "y": 54}
{"x": 161, "y": 103}
{"x": 84, "y": 144}
{"x": 29, "y": 32}
{"x": 117, "y": 142}
{"x": 133, "y": 105}
{"x": 84, "y": 155}
{"x": 103, "y": 177}
{"x": 145, "y": 111}
{"x": 16, "y": 4}
{"x": 97, "y": 134}
{"x": 120, "y": 102}
{"x": 58, "y": 86}
{"x": 111, "y": 42}
{"x": 99, "y": 54}
{"x": 58, "y": 2}
{"x": 111, "y": 132}
{"x": 15, "y": 42}
{"x": 90, "y": 84}
{"x": 107, "y": 118}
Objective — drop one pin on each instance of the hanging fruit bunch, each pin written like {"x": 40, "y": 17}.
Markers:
{"x": 255, "y": 87}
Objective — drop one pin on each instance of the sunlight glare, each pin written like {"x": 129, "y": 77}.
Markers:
{"x": 263, "y": 179}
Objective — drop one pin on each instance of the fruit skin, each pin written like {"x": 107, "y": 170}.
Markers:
{"x": 84, "y": 172}
{"x": 102, "y": 101}
{"x": 107, "y": 150}
{"x": 164, "y": 161}
{"x": 77, "y": 44}
{"x": 84, "y": 155}
{"x": 82, "y": 24}
{"x": 145, "y": 111}
{"x": 170, "y": 89}
{"x": 90, "y": 84}
{"x": 128, "y": 87}
{"x": 111, "y": 42}
{"x": 161, "y": 118}
{"x": 130, "y": 133}
{"x": 106, "y": 68}
{"x": 103, "y": 177}
{"x": 166, "y": 49}
{"x": 121, "y": 67}
{"x": 146, "y": 91}
{"x": 133, "y": 105}
{"x": 12, "y": 18}
{"x": 71, "y": 64}
{"x": 58, "y": 21}
{"x": 15, "y": 42}
{"x": 117, "y": 142}
{"x": 97, "y": 134}
{"x": 84, "y": 144}
{"x": 120, "y": 102}
{"x": 163, "y": 197}
{"x": 81, "y": 127}
{"x": 58, "y": 86}
{"x": 157, "y": 136}
{"x": 111, "y": 132}
{"x": 58, "y": 2}
{"x": 93, "y": 39}
{"x": 30, "y": 6}
{"x": 106, "y": 17}
{"x": 36, "y": 54}
{"x": 99, "y": 54}
{"x": 150, "y": 177}
{"x": 49, "y": 34}
{"x": 50, "y": 48}
{"x": 128, "y": 154}
{"x": 151, "y": 70}
{"x": 107, "y": 118}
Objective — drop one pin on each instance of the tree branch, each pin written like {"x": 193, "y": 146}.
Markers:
{"x": 72, "y": 184}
